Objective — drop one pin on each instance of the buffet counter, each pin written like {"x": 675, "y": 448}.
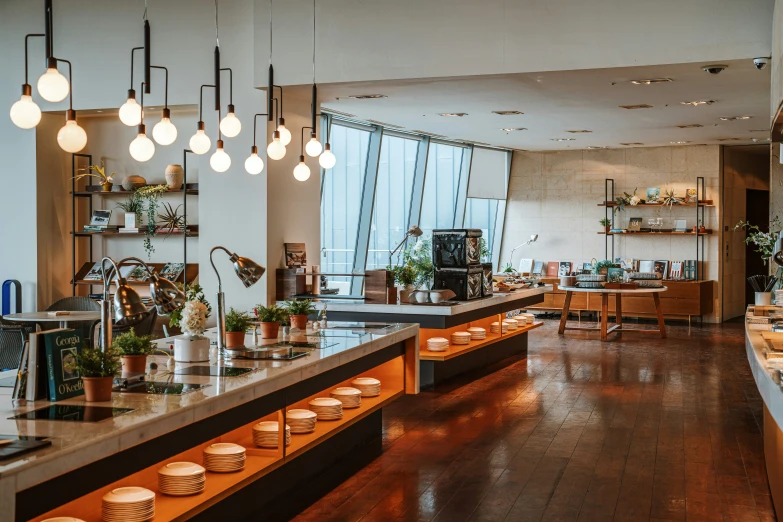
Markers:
{"x": 89, "y": 457}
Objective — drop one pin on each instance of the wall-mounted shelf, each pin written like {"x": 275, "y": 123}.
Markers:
{"x": 192, "y": 232}
{"x": 191, "y": 190}
{"x": 707, "y": 232}
{"x": 190, "y": 272}
{"x": 705, "y": 203}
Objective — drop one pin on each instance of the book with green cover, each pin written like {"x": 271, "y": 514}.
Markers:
{"x": 61, "y": 349}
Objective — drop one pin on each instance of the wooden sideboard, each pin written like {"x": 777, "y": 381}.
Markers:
{"x": 682, "y": 300}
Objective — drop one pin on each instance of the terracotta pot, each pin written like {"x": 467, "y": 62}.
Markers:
{"x": 97, "y": 389}
{"x": 391, "y": 295}
{"x": 134, "y": 363}
{"x": 607, "y": 229}
{"x": 133, "y": 182}
{"x": 702, "y": 229}
{"x": 270, "y": 330}
{"x": 298, "y": 321}
{"x": 174, "y": 176}
{"x": 695, "y": 229}
{"x": 235, "y": 339}
{"x": 106, "y": 187}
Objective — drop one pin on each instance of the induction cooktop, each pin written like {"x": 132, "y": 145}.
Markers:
{"x": 213, "y": 371}
{"x": 73, "y": 413}
{"x": 162, "y": 388}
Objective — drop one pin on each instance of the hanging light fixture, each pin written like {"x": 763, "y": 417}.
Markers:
{"x": 25, "y": 113}
{"x": 302, "y": 171}
{"x": 327, "y": 159}
{"x": 71, "y": 136}
{"x": 230, "y": 125}
{"x": 276, "y": 150}
{"x": 220, "y": 161}
{"x": 254, "y": 164}
{"x": 281, "y": 134}
{"x": 53, "y": 86}
{"x": 313, "y": 147}
{"x": 130, "y": 111}
{"x": 142, "y": 148}
{"x": 200, "y": 142}
{"x": 165, "y": 132}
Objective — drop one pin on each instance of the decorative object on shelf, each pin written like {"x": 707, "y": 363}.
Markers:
{"x": 298, "y": 310}
{"x": 150, "y": 194}
{"x": 404, "y": 276}
{"x": 100, "y": 218}
{"x": 626, "y": 200}
{"x": 100, "y": 173}
{"x": 270, "y": 318}
{"x": 170, "y": 222}
{"x": 172, "y": 271}
{"x": 564, "y": 268}
{"x": 606, "y": 223}
{"x": 763, "y": 241}
{"x": 602, "y": 267}
{"x": 615, "y": 275}
{"x": 237, "y": 324}
{"x": 421, "y": 296}
{"x": 133, "y": 350}
{"x": 702, "y": 229}
{"x": 669, "y": 199}
{"x": 133, "y": 207}
{"x": 419, "y": 257}
{"x": 192, "y": 346}
{"x": 180, "y": 479}
{"x": 174, "y": 176}
{"x": 679, "y": 225}
{"x": 653, "y": 195}
{"x": 97, "y": 368}
{"x": 295, "y": 255}
{"x": 690, "y": 195}
{"x": 133, "y": 182}
{"x": 762, "y": 285}
{"x": 634, "y": 224}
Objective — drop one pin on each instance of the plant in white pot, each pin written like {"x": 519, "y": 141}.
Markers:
{"x": 192, "y": 346}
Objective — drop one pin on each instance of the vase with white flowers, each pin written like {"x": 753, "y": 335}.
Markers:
{"x": 192, "y": 346}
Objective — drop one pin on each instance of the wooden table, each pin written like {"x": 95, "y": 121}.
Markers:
{"x": 604, "y": 327}
{"x": 44, "y": 317}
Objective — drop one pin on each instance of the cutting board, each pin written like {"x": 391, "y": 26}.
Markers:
{"x": 774, "y": 341}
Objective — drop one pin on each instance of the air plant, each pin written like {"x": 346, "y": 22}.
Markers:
{"x": 669, "y": 199}
{"x": 100, "y": 174}
{"x": 169, "y": 220}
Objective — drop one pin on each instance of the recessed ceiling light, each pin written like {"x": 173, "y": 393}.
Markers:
{"x": 633, "y": 143}
{"x": 99, "y": 110}
{"x": 597, "y": 147}
{"x": 512, "y": 129}
{"x": 696, "y": 103}
{"x": 384, "y": 124}
{"x": 679, "y": 142}
{"x": 563, "y": 139}
{"x": 578, "y": 131}
{"x": 690, "y": 126}
{"x": 640, "y": 106}
{"x": 367, "y": 96}
{"x": 507, "y": 113}
{"x": 650, "y": 81}
{"x": 728, "y": 139}
{"x": 735, "y": 118}
{"x": 453, "y": 114}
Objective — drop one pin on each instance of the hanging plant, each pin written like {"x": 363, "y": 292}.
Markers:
{"x": 150, "y": 193}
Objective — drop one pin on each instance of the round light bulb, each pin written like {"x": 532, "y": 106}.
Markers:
{"x": 230, "y": 125}
{"x": 25, "y": 113}
{"x": 254, "y": 164}
{"x": 220, "y": 161}
{"x": 53, "y": 86}
{"x": 130, "y": 113}
{"x": 200, "y": 142}
{"x": 327, "y": 159}
{"x": 313, "y": 147}
{"x": 164, "y": 132}
{"x": 302, "y": 171}
{"x": 71, "y": 137}
{"x": 142, "y": 148}
{"x": 276, "y": 149}
{"x": 285, "y": 134}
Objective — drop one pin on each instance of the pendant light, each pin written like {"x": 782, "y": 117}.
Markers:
{"x": 281, "y": 134}
{"x": 71, "y": 137}
{"x": 142, "y": 148}
{"x": 327, "y": 160}
{"x": 254, "y": 164}
{"x": 302, "y": 171}
{"x": 276, "y": 149}
{"x": 53, "y": 86}
{"x": 130, "y": 111}
{"x": 220, "y": 161}
{"x": 230, "y": 126}
{"x": 165, "y": 132}
{"x": 25, "y": 113}
{"x": 313, "y": 147}
{"x": 200, "y": 142}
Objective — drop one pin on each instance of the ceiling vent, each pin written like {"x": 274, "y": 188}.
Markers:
{"x": 507, "y": 113}
{"x": 640, "y": 106}
{"x": 367, "y": 96}
{"x": 651, "y": 81}
{"x": 690, "y": 126}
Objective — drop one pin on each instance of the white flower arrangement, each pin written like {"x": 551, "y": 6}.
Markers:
{"x": 635, "y": 200}
{"x": 194, "y": 319}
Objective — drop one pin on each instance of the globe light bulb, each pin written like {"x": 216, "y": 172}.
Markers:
{"x": 200, "y": 142}
{"x": 142, "y": 148}
{"x": 276, "y": 149}
{"x": 327, "y": 159}
{"x": 220, "y": 161}
{"x": 71, "y": 137}
{"x": 302, "y": 171}
{"x": 285, "y": 134}
{"x": 230, "y": 124}
{"x": 254, "y": 164}
{"x": 25, "y": 113}
{"x": 313, "y": 147}
{"x": 164, "y": 132}
{"x": 130, "y": 111}
{"x": 53, "y": 86}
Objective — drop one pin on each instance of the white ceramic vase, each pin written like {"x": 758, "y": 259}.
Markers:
{"x": 422, "y": 296}
{"x": 191, "y": 349}
{"x": 174, "y": 176}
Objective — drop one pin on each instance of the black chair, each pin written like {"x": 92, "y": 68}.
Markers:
{"x": 12, "y": 339}
{"x": 144, "y": 327}
{"x": 76, "y": 304}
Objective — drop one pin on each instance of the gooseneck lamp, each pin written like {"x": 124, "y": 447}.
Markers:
{"x": 533, "y": 239}
{"x": 25, "y": 113}
{"x": 248, "y": 271}
{"x": 414, "y": 231}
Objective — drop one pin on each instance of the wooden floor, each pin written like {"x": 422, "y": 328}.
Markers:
{"x": 640, "y": 429}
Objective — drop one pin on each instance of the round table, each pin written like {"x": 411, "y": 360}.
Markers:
{"x": 44, "y": 317}
{"x": 604, "y": 327}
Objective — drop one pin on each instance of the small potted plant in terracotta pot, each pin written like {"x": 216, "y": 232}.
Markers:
{"x": 270, "y": 319}
{"x": 607, "y": 224}
{"x": 133, "y": 350}
{"x": 100, "y": 173}
{"x": 237, "y": 324}
{"x": 298, "y": 310}
{"x": 97, "y": 368}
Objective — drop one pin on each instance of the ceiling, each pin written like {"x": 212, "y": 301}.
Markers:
{"x": 556, "y": 102}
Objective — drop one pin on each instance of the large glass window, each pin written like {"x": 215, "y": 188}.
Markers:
{"x": 441, "y": 184}
{"x": 341, "y": 202}
{"x": 483, "y": 214}
{"x": 393, "y": 191}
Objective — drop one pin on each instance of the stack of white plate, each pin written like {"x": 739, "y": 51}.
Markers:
{"x": 63, "y": 519}
{"x": 368, "y": 386}
{"x": 327, "y": 408}
{"x": 437, "y": 344}
{"x": 460, "y": 338}
{"x": 477, "y": 334}
{"x": 513, "y": 324}
{"x": 529, "y": 318}
{"x": 301, "y": 421}
{"x": 224, "y": 457}
{"x": 265, "y": 434}
{"x": 497, "y": 327}
{"x": 350, "y": 397}
{"x": 128, "y": 504}
{"x": 180, "y": 479}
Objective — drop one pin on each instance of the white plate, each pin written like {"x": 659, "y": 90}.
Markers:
{"x": 299, "y": 414}
{"x": 269, "y": 426}
{"x": 325, "y": 402}
{"x": 63, "y": 519}
{"x": 346, "y": 390}
{"x": 224, "y": 448}
{"x": 128, "y": 495}
{"x": 181, "y": 469}
{"x": 366, "y": 381}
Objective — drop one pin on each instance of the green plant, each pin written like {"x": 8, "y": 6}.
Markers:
{"x": 192, "y": 293}
{"x": 272, "y": 314}
{"x": 626, "y": 199}
{"x": 484, "y": 251}
{"x": 509, "y": 268}
{"x": 605, "y": 222}
{"x": 419, "y": 257}
{"x": 133, "y": 205}
{"x": 150, "y": 193}
{"x": 403, "y": 275}
{"x": 669, "y": 199}
{"x": 237, "y": 321}
{"x": 131, "y": 344}
{"x": 299, "y": 307}
{"x": 101, "y": 174}
{"x": 95, "y": 362}
{"x": 170, "y": 220}
{"x": 763, "y": 241}
{"x": 602, "y": 264}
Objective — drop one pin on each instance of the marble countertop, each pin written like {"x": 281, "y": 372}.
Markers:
{"x": 456, "y": 309}
{"x": 75, "y": 444}
{"x": 766, "y": 374}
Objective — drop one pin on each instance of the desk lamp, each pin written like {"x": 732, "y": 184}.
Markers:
{"x": 414, "y": 231}
{"x": 533, "y": 239}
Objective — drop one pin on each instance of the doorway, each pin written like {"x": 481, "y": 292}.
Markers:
{"x": 756, "y": 212}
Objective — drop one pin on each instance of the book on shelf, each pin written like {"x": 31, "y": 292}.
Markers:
{"x": 295, "y": 255}
{"x": 20, "y": 385}
{"x": 172, "y": 271}
{"x": 95, "y": 273}
{"x": 564, "y": 268}
{"x": 616, "y": 230}
{"x": 689, "y": 269}
{"x": 63, "y": 378}
{"x": 37, "y": 374}
{"x": 138, "y": 274}
{"x": 101, "y": 228}
{"x": 661, "y": 267}
{"x": 675, "y": 271}
{"x": 646, "y": 266}
{"x": 538, "y": 268}
{"x": 125, "y": 230}
{"x": 525, "y": 266}
{"x": 552, "y": 268}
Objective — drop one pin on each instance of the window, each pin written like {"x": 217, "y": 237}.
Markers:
{"x": 441, "y": 186}
{"x": 393, "y": 191}
{"x": 341, "y": 202}
{"x": 482, "y": 214}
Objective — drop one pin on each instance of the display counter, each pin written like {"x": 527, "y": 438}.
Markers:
{"x": 89, "y": 457}
{"x": 442, "y": 320}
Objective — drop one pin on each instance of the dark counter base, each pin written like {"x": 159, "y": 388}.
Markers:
{"x": 435, "y": 372}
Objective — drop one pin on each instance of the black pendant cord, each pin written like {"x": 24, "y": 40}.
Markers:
{"x": 141, "y": 123}
{"x": 201, "y": 104}
{"x": 133, "y": 51}
{"x": 166, "y": 94}
{"x": 230, "y": 85}
{"x": 26, "y": 86}
{"x": 70, "y": 81}
{"x": 220, "y": 140}
{"x": 281, "y": 99}
{"x": 255, "y": 125}
{"x": 315, "y": 89}
{"x": 147, "y": 55}
{"x": 48, "y": 30}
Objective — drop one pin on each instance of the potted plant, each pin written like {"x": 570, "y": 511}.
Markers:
{"x": 133, "y": 350}
{"x": 763, "y": 241}
{"x": 419, "y": 257}
{"x": 133, "y": 207}
{"x": 97, "y": 368}
{"x": 602, "y": 267}
{"x": 270, "y": 318}
{"x": 298, "y": 310}
{"x": 104, "y": 180}
{"x": 192, "y": 346}
{"x": 405, "y": 277}
{"x": 237, "y": 324}
{"x": 607, "y": 224}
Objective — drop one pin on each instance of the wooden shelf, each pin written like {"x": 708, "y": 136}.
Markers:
{"x": 708, "y": 232}
{"x": 191, "y": 273}
{"x": 192, "y": 190}
{"x": 704, "y": 203}
{"x": 164, "y": 233}
{"x": 457, "y": 350}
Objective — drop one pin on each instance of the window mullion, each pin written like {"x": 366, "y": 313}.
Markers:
{"x": 462, "y": 187}
{"x": 365, "y": 212}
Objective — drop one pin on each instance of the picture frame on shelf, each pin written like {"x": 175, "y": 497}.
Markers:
{"x": 552, "y": 268}
{"x": 690, "y": 195}
{"x": 680, "y": 225}
{"x": 646, "y": 266}
{"x": 525, "y": 266}
{"x": 615, "y": 275}
{"x": 653, "y": 195}
{"x": 635, "y": 224}
{"x": 295, "y": 255}
{"x": 661, "y": 267}
{"x": 538, "y": 268}
{"x": 675, "y": 272}
{"x": 100, "y": 218}
{"x": 564, "y": 268}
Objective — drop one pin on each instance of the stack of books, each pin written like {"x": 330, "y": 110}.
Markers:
{"x": 101, "y": 228}
{"x": 125, "y": 230}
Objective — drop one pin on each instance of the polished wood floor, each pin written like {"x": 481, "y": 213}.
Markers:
{"x": 638, "y": 429}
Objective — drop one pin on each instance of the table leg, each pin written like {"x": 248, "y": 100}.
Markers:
{"x": 63, "y": 324}
{"x": 604, "y": 315}
{"x": 619, "y": 314}
{"x": 661, "y": 324}
{"x": 564, "y": 316}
